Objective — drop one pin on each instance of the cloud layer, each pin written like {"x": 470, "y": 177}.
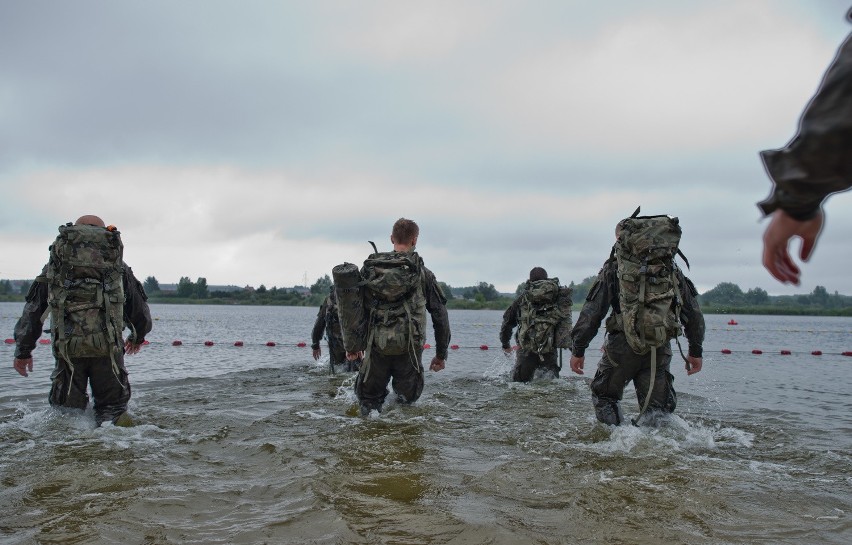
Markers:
{"x": 266, "y": 142}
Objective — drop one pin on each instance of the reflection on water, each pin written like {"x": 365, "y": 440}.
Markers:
{"x": 261, "y": 445}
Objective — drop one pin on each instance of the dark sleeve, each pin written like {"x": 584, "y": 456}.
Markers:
{"x": 436, "y": 304}
{"x": 818, "y": 160}
{"x": 598, "y": 303}
{"x": 319, "y": 325}
{"x": 136, "y": 312}
{"x": 510, "y": 322}
{"x": 691, "y": 316}
{"x": 29, "y": 326}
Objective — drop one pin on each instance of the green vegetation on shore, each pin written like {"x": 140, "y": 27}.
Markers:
{"x": 725, "y": 298}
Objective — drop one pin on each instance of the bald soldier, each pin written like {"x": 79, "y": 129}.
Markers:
{"x": 90, "y": 295}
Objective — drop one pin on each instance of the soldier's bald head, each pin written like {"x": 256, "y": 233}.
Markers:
{"x": 90, "y": 220}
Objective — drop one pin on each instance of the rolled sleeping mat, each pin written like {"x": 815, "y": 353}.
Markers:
{"x": 350, "y": 306}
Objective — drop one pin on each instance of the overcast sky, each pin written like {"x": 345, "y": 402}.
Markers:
{"x": 261, "y": 142}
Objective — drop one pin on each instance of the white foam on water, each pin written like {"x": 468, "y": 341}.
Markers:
{"x": 672, "y": 433}
{"x": 500, "y": 366}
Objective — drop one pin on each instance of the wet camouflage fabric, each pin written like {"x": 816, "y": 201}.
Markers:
{"x": 350, "y": 304}
{"x": 86, "y": 292}
{"x": 404, "y": 371}
{"x": 544, "y": 316}
{"x": 110, "y": 389}
{"x": 817, "y": 161}
{"x": 644, "y": 255}
{"x": 603, "y": 296}
{"x": 328, "y": 322}
{"x": 393, "y": 283}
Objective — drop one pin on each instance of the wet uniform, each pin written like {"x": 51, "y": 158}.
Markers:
{"x": 407, "y": 380}
{"x": 817, "y": 161}
{"x": 111, "y": 393}
{"x": 328, "y": 322}
{"x": 619, "y": 364}
{"x": 526, "y": 361}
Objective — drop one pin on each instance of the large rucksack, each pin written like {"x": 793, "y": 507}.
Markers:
{"x": 544, "y": 322}
{"x": 393, "y": 282}
{"x": 648, "y": 287}
{"x": 86, "y": 292}
{"x": 648, "y": 291}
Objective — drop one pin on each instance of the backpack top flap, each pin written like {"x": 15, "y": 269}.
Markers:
{"x": 87, "y": 251}
{"x": 649, "y": 238}
{"x": 542, "y": 291}
{"x": 392, "y": 276}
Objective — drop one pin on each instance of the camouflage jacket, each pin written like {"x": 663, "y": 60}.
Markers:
{"x": 817, "y": 161}
{"x": 510, "y": 322}
{"x": 436, "y": 306}
{"x": 29, "y": 326}
{"x": 327, "y": 322}
{"x": 603, "y": 296}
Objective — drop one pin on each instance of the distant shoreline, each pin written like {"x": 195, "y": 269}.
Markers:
{"x": 500, "y": 305}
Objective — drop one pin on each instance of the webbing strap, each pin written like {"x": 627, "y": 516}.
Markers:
{"x": 650, "y": 386}
{"x": 640, "y": 317}
{"x": 365, "y": 365}
{"x": 412, "y": 347}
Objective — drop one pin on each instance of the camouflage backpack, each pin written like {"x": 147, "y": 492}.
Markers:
{"x": 544, "y": 323}
{"x": 86, "y": 292}
{"x": 648, "y": 288}
{"x": 394, "y": 283}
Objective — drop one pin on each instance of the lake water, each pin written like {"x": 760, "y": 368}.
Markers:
{"x": 260, "y": 444}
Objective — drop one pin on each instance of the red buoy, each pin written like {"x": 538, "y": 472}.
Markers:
{"x": 208, "y": 343}
{"x": 756, "y": 351}
{"x": 10, "y": 341}
{"x": 816, "y": 353}
{"x": 176, "y": 343}
{"x": 44, "y": 341}
{"x": 483, "y": 347}
{"x": 785, "y": 352}
{"x": 726, "y": 351}
{"x": 238, "y": 343}
{"x": 301, "y": 344}
{"x": 454, "y": 347}
{"x": 270, "y": 343}
{"x": 427, "y": 346}
{"x": 732, "y": 322}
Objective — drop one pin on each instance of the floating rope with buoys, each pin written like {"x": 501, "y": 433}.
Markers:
{"x": 784, "y": 352}
{"x": 427, "y": 346}
{"x": 298, "y": 344}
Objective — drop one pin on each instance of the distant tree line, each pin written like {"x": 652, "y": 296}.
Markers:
{"x": 729, "y": 298}
{"x": 725, "y": 298}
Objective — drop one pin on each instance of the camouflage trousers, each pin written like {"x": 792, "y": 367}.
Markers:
{"x": 618, "y": 366}
{"x": 110, "y": 392}
{"x": 527, "y": 362}
{"x": 406, "y": 380}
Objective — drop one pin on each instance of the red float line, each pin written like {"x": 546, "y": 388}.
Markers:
{"x": 758, "y": 351}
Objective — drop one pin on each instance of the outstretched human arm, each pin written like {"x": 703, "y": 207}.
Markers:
{"x": 816, "y": 163}
{"x": 136, "y": 312}
{"x": 436, "y": 305}
{"x": 510, "y": 322}
{"x": 319, "y": 328}
{"x": 693, "y": 323}
{"x": 29, "y": 326}
{"x": 595, "y": 308}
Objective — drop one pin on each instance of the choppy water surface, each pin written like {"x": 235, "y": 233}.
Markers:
{"x": 259, "y": 444}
